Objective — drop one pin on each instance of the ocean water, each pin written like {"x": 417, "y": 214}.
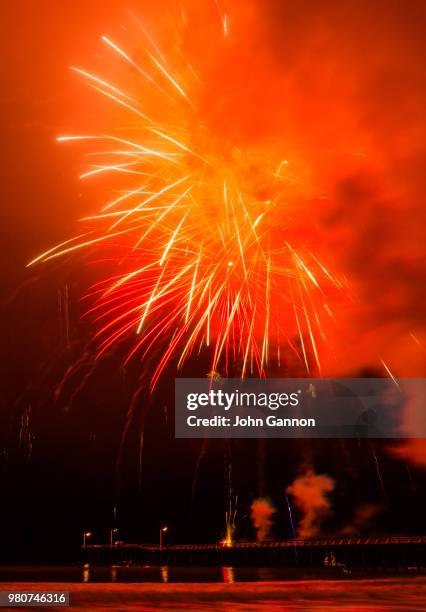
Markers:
{"x": 399, "y": 595}
{"x": 168, "y": 592}
{"x": 164, "y": 574}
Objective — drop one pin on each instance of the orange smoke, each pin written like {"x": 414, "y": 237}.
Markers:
{"x": 261, "y": 515}
{"x": 309, "y": 492}
{"x": 362, "y": 519}
{"x": 413, "y": 450}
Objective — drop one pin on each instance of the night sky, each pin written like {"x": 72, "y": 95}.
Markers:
{"x": 71, "y": 453}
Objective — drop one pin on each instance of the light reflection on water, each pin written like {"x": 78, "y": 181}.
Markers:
{"x": 398, "y": 594}
{"x": 89, "y": 574}
{"x": 228, "y": 574}
{"x": 86, "y": 572}
{"x": 165, "y": 573}
{"x": 176, "y": 574}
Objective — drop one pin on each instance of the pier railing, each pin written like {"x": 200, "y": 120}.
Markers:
{"x": 393, "y": 552}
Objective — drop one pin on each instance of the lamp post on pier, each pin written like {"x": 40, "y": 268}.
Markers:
{"x": 162, "y": 532}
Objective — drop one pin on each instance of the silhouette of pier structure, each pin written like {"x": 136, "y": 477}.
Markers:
{"x": 404, "y": 553}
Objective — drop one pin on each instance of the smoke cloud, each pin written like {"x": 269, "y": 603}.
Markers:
{"x": 362, "y": 519}
{"x": 341, "y": 89}
{"x": 363, "y": 144}
{"x": 309, "y": 492}
{"x": 337, "y": 91}
{"x": 261, "y": 515}
{"x": 413, "y": 451}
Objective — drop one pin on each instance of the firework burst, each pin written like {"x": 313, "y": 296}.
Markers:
{"x": 199, "y": 242}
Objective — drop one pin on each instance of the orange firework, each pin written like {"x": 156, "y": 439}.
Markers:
{"x": 199, "y": 241}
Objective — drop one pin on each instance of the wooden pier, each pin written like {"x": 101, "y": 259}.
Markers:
{"x": 385, "y": 553}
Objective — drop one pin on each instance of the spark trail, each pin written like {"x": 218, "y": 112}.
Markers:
{"x": 199, "y": 242}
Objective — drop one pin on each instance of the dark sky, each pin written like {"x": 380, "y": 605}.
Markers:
{"x": 354, "y": 74}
